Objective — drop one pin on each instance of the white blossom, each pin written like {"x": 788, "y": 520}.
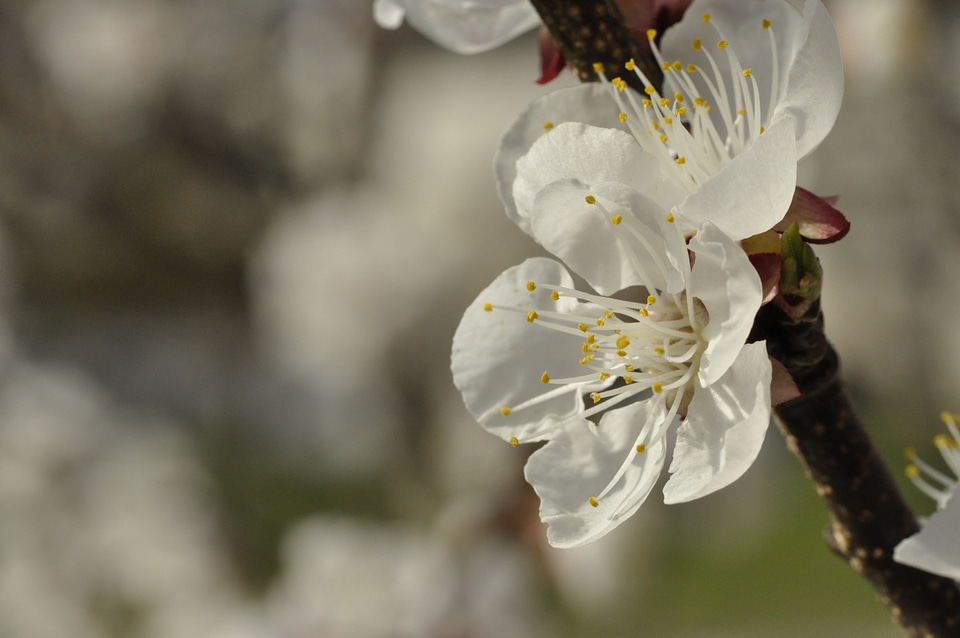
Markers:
{"x": 750, "y": 88}
{"x": 936, "y": 548}
{"x": 602, "y": 376}
{"x": 463, "y": 26}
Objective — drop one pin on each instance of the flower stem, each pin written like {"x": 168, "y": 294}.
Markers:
{"x": 592, "y": 31}
{"x": 868, "y": 515}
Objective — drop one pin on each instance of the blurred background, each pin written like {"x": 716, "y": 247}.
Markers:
{"x": 235, "y": 241}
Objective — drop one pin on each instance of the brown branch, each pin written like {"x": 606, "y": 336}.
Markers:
{"x": 595, "y": 31}
{"x": 868, "y": 515}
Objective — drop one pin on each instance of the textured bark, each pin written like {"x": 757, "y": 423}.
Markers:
{"x": 590, "y": 32}
{"x": 868, "y": 515}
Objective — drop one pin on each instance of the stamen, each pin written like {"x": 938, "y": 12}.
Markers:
{"x": 514, "y": 441}
{"x": 488, "y": 307}
{"x": 531, "y": 286}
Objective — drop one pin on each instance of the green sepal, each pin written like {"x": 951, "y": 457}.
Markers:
{"x": 801, "y": 273}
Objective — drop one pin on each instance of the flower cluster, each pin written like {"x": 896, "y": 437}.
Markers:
{"x": 934, "y": 548}
{"x": 648, "y": 198}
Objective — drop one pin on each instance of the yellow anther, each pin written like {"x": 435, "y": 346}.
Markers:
{"x": 697, "y": 44}
{"x": 547, "y": 126}
{"x": 943, "y": 441}
{"x": 583, "y": 327}
{"x": 584, "y": 347}
{"x": 591, "y": 338}
{"x": 651, "y": 299}
{"x": 691, "y": 68}
{"x": 664, "y": 102}
{"x": 949, "y": 418}
{"x": 669, "y": 218}
{"x": 628, "y": 367}
{"x": 668, "y": 120}
{"x": 623, "y": 342}
{"x": 647, "y": 103}
{"x": 598, "y": 67}
{"x": 699, "y": 101}
{"x": 514, "y": 441}
{"x": 628, "y": 379}
{"x": 648, "y": 90}
{"x": 488, "y": 307}
{"x": 623, "y": 117}
{"x": 590, "y": 199}
{"x": 545, "y": 378}
{"x": 596, "y": 397}
{"x": 762, "y": 130}
{"x": 651, "y": 34}
{"x": 532, "y": 316}
{"x": 505, "y": 411}
{"x": 678, "y": 97}
{"x": 608, "y": 314}
{"x": 620, "y": 83}
{"x": 722, "y": 44}
{"x": 657, "y": 388}
{"x": 663, "y": 138}
{"x": 747, "y": 73}
{"x": 766, "y": 24}
{"x": 630, "y": 65}
{"x": 910, "y": 453}
{"x": 742, "y": 111}
{"x": 641, "y": 448}
{"x": 912, "y": 471}
{"x": 604, "y": 376}
{"x": 593, "y": 501}
{"x": 682, "y": 110}
{"x": 616, "y": 219}
{"x": 531, "y": 286}
{"x": 665, "y": 66}
{"x": 555, "y": 295}
{"x": 644, "y": 312}
{"x": 706, "y": 17}
{"x": 621, "y": 353}
{"x": 681, "y": 160}
{"x": 676, "y": 65}
{"x": 656, "y": 126}
{"x": 660, "y": 351}
{"x": 600, "y": 322}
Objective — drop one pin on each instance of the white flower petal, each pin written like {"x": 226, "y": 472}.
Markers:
{"x": 590, "y": 154}
{"x": 724, "y": 429}
{"x": 728, "y": 285}
{"x": 643, "y": 250}
{"x": 809, "y": 68}
{"x": 753, "y": 192}
{"x": 815, "y": 85}
{"x": 579, "y": 463}
{"x": 935, "y": 547}
{"x": 588, "y": 103}
{"x": 498, "y": 356}
{"x": 388, "y": 14}
{"x": 463, "y": 26}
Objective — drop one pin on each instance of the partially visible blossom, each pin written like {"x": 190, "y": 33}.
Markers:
{"x": 463, "y": 26}
{"x": 602, "y": 376}
{"x": 750, "y": 88}
{"x": 936, "y": 548}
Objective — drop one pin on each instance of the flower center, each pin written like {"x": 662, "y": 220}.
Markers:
{"x": 928, "y": 479}
{"x": 707, "y": 121}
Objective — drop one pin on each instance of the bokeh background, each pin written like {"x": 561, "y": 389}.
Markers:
{"x": 235, "y": 241}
